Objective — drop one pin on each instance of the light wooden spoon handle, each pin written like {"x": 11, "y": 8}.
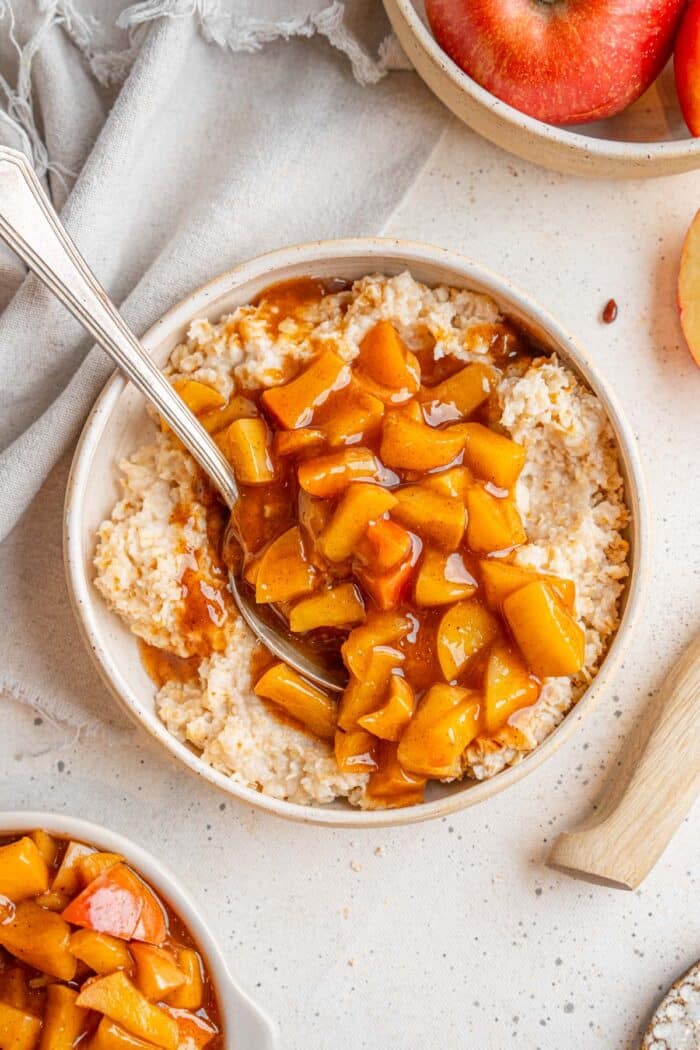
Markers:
{"x": 653, "y": 787}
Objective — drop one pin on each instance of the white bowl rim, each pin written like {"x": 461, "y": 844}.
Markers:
{"x": 81, "y": 589}
{"x": 236, "y": 1006}
{"x": 601, "y": 148}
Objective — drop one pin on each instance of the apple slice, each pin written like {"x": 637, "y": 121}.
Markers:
{"x": 120, "y": 904}
{"x": 689, "y": 287}
{"x": 686, "y": 65}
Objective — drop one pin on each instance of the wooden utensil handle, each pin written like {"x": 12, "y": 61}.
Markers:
{"x": 656, "y": 782}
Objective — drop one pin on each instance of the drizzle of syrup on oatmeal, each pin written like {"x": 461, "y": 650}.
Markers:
{"x": 290, "y": 298}
{"x": 162, "y": 666}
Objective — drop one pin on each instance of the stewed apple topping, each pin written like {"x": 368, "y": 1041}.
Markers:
{"x": 91, "y": 956}
{"x": 378, "y": 515}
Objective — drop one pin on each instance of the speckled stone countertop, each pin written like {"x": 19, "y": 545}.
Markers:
{"x": 454, "y": 934}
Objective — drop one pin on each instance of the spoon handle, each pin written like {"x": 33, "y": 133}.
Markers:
{"x": 654, "y": 786}
{"x": 31, "y": 227}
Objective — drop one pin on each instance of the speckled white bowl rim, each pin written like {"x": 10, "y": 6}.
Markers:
{"x": 375, "y": 255}
{"x": 245, "y": 1025}
{"x": 544, "y": 144}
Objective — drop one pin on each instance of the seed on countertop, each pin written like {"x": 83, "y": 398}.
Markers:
{"x": 610, "y": 311}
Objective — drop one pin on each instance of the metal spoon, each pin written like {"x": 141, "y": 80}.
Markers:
{"x": 31, "y": 227}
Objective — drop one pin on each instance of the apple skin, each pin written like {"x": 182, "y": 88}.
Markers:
{"x": 561, "y": 61}
{"x": 689, "y": 289}
{"x": 686, "y": 65}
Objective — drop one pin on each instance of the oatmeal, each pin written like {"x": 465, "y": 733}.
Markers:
{"x": 382, "y": 421}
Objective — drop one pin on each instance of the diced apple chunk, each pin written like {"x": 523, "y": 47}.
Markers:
{"x": 93, "y": 864}
{"x": 52, "y": 900}
{"x": 117, "y": 997}
{"x": 392, "y": 786}
{"x": 64, "y": 1020}
{"x": 386, "y": 545}
{"x": 190, "y": 995}
{"x": 361, "y": 504}
{"x": 548, "y": 636}
{"x": 379, "y": 629}
{"x": 284, "y": 571}
{"x": 23, "y": 871}
{"x": 13, "y": 986}
{"x": 493, "y": 523}
{"x": 218, "y": 419}
{"x": 306, "y": 441}
{"x": 118, "y": 902}
{"x": 464, "y": 630}
{"x": 365, "y": 694}
{"x": 389, "y": 721}
{"x": 299, "y": 698}
{"x": 294, "y": 403}
{"x": 492, "y": 456}
{"x": 328, "y": 476}
{"x": 387, "y": 589}
{"x": 157, "y": 972}
{"x": 350, "y": 417}
{"x": 19, "y": 1029}
{"x": 435, "y": 517}
{"x": 508, "y": 686}
{"x": 501, "y": 578}
{"x": 408, "y": 444}
{"x": 354, "y": 751}
{"x": 40, "y": 939}
{"x": 246, "y": 444}
{"x": 442, "y": 579}
{"x": 340, "y": 606}
{"x": 447, "y": 720}
{"x": 195, "y": 1031}
{"x": 67, "y": 878}
{"x": 462, "y": 392}
{"x": 199, "y": 397}
{"x": 387, "y": 360}
{"x": 111, "y": 1036}
{"x": 455, "y": 481}
{"x": 46, "y": 844}
{"x": 100, "y": 951}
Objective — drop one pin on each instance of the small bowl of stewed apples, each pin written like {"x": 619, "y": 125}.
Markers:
{"x": 437, "y": 490}
{"x": 102, "y": 949}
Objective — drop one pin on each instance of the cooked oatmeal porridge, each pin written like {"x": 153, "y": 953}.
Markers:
{"x": 417, "y": 484}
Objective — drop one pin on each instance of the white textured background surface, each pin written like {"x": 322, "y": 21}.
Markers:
{"x": 455, "y": 934}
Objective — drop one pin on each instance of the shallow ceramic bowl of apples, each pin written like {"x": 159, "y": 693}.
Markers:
{"x": 606, "y": 88}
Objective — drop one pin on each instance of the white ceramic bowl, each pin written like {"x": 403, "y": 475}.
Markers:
{"x": 118, "y": 424}
{"x": 245, "y": 1025}
{"x": 649, "y": 138}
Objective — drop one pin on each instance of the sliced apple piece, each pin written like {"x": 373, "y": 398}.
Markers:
{"x": 492, "y": 456}
{"x": 118, "y": 902}
{"x": 195, "y": 1031}
{"x": 686, "y": 63}
{"x": 386, "y": 545}
{"x": 247, "y": 445}
{"x": 100, "y": 951}
{"x": 389, "y": 720}
{"x": 303, "y": 442}
{"x": 293, "y": 404}
{"x": 365, "y": 694}
{"x": 157, "y": 972}
{"x": 190, "y": 995}
{"x": 442, "y": 578}
{"x": 299, "y": 698}
{"x": 19, "y": 1029}
{"x": 386, "y": 359}
{"x": 23, "y": 870}
{"x": 392, "y": 786}
{"x": 500, "y": 579}
{"x": 689, "y": 288}
{"x": 387, "y": 589}
{"x": 40, "y": 939}
{"x": 464, "y": 630}
{"x": 111, "y": 1036}
{"x": 431, "y": 514}
{"x": 460, "y": 394}
{"x": 284, "y": 572}
{"x": 379, "y": 629}
{"x": 354, "y": 751}
{"x": 360, "y": 505}
{"x": 328, "y": 476}
{"x": 118, "y": 998}
{"x": 64, "y": 1020}
{"x": 408, "y": 444}
{"x": 14, "y": 988}
{"x": 46, "y": 844}
{"x": 340, "y": 606}
{"x": 67, "y": 878}
{"x": 239, "y": 407}
{"x": 455, "y": 481}
{"x": 548, "y": 636}
{"x": 447, "y": 720}
{"x": 52, "y": 901}
{"x": 93, "y": 864}
{"x": 199, "y": 397}
{"x": 508, "y": 686}
{"x": 494, "y": 524}
{"x": 350, "y": 417}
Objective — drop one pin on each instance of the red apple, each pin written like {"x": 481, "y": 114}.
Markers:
{"x": 561, "y": 61}
{"x": 686, "y": 63}
{"x": 689, "y": 289}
